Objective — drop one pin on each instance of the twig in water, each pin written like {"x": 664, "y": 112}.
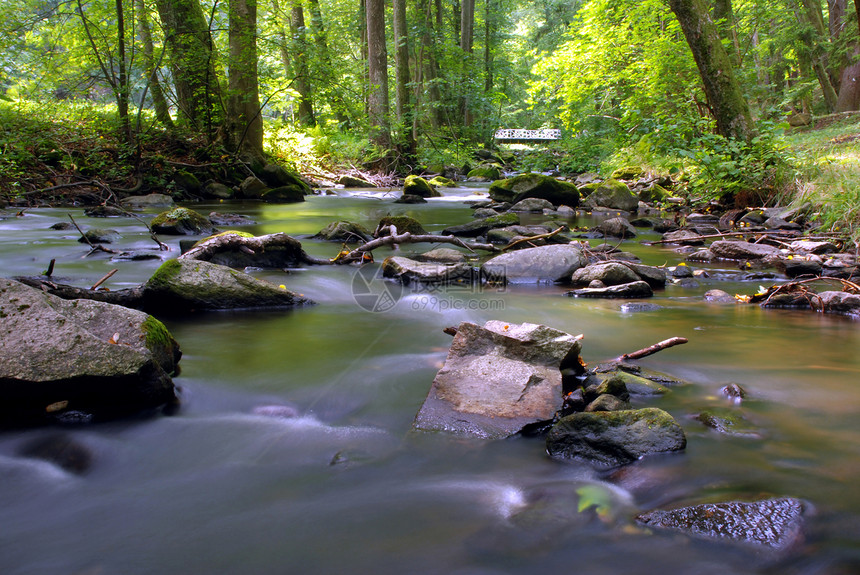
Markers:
{"x": 104, "y": 279}
{"x": 652, "y": 349}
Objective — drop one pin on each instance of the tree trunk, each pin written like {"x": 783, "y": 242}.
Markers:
{"x": 377, "y": 60}
{"x": 192, "y": 63}
{"x": 122, "y": 79}
{"x": 725, "y": 98}
{"x": 467, "y": 32}
{"x": 243, "y": 123}
{"x": 301, "y": 68}
{"x": 724, "y": 18}
{"x": 849, "y": 87}
{"x": 402, "y": 78}
{"x": 159, "y": 102}
{"x": 327, "y": 75}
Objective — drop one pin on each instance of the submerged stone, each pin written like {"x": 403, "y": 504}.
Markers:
{"x": 771, "y": 523}
{"x": 181, "y": 221}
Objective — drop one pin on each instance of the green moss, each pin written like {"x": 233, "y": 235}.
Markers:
{"x": 180, "y": 217}
{"x": 502, "y": 220}
{"x": 442, "y": 182}
{"x": 403, "y": 224}
{"x": 486, "y": 172}
{"x": 228, "y": 232}
{"x": 165, "y": 273}
{"x": 156, "y": 334}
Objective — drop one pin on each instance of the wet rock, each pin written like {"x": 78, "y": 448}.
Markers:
{"x": 736, "y": 250}
{"x": 61, "y": 226}
{"x": 734, "y": 392}
{"x": 99, "y": 236}
{"x": 60, "y": 449}
{"x": 184, "y": 285}
{"x": 638, "y": 289}
{"x": 539, "y": 186}
{"x": 344, "y": 231}
{"x": 80, "y": 354}
{"x": 407, "y": 271}
{"x": 480, "y": 227}
{"x": 771, "y": 523}
{"x": 653, "y": 276}
{"x": 187, "y": 181}
{"x": 704, "y": 256}
{"x": 181, "y": 221}
{"x": 403, "y": 224}
{"x": 615, "y": 438}
{"x": 797, "y": 267}
{"x": 614, "y": 195}
{"x": 637, "y": 385}
{"x": 617, "y": 228}
{"x": 252, "y": 188}
{"x": 104, "y": 212}
{"x": 608, "y": 273}
{"x": 839, "y": 302}
{"x": 536, "y": 205}
{"x": 218, "y": 191}
{"x": 148, "y": 201}
{"x": 284, "y": 194}
{"x": 551, "y": 263}
{"x": 607, "y": 402}
{"x": 442, "y": 182}
{"x": 497, "y": 379}
{"x": 276, "y": 177}
{"x": 228, "y": 219}
{"x": 418, "y": 186}
{"x": 354, "y": 182}
{"x": 719, "y": 296}
{"x": 681, "y": 271}
{"x": 781, "y": 224}
{"x": 728, "y": 422}
{"x": 240, "y": 250}
{"x": 684, "y": 238}
{"x": 813, "y": 247}
{"x": 138, "y": 256}
{"x": 484, "y": 173}
{"x": 627, "y": 173}
{"x": 410, "y": 199}
{"x": 442, "y": 256}
{"x": 638, "y": 307}
{"x": 482, "y": 213}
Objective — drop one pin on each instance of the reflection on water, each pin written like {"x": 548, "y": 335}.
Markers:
{"x": 344, "y": 486}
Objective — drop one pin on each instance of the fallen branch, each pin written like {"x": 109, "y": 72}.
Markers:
{"x": 104, "y": 279}
{"x": 652, "y": 349}
{"x": 93, "y": 247}
{"x": 532, "y": 238}
{"x": 722, "y": 235}
{"x": 408, "y": 238}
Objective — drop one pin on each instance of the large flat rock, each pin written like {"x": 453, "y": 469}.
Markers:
{"x": 552, "y": 263}
{"x": 497, "y": 379}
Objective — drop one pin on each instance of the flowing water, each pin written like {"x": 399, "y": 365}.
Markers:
{"x": 344, "y": 487}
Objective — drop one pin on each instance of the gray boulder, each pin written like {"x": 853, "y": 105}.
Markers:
{"x": 407, "y": 271}
{"x": 181, "y": 221}
{"x": 252, "y": 187}
{"x": 353, "y": 182}
{"x": 240, "y": 250}
{"x": 610, "y": 273}
{"x": 182, "y": 285}
{"x": 775, "y": 524}
{"x": 551, "y": 263}
{"x": 525, "y": 186}
{"x": 80, "y": 355}
{"x": 617, "y": 228}
{"x": 148, "y": 201}
{"x": 284, "y": 194}
{"x": 219, "y": 191}
{"x": 99, "y": 236}
{"x": 684, "y": 238}
{"x": 614, "y": 195}
{"x": 498, "y": 379}
{"x": 735, "y": 250}
{"x": 537, "y": 205}
{"x": 418, "y": 186}
{"x": 615, "y": 438}
{"x": 344, "y": 231}
{"x": 481, "y": 226}
{"x": 719, "y": 296}
{"x": 442, "y": 256}
{"x": 839, "y": 302}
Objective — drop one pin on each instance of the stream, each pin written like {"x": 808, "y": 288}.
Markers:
{"x": 345, "y": 488}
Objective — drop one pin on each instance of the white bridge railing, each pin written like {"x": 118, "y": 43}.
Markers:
{"x": 516, "y": 134}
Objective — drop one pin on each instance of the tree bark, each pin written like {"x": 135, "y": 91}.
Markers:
{"x": 377, "y": 60}
{"x": 301, "y": 68}
{"x": 243, "y": 123}
{"x": 724, "y": 18}
{"x": 192, "y": 64}
{"x": 849, "y": 87}
{"x": 159, "y": 102}
{"x": 467, "y": 32}
{"x": 724, "y": 94}
{"x": 403, "y": 78}
{"x": 318, "y": 32}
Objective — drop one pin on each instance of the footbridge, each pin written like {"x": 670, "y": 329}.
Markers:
{"x": 518, "y": 136}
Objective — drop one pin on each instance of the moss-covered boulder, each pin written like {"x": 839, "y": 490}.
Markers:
{"x": 344, "y": 231}
{"x": 612, "y": 194}
{"x": 348, "y": 181}
{"x": 252, "y": 188}
{"x": 181, "y": 221}
{"x": 276, "y": 176}
{"x": 147, "y": 201}
{"x": 81, "y": 355}
{"x": 539, "y": 186}
{"x": 240, "y": 250}
{"x": 182, "y": 286}
{"x": 418, "y": 186}
{"x": 485, "y": 173}
{"x": 218, "y": 191}
{"x": 612, "y": 438}
{"x": 442, "y": 182}
{"x": 481, "y": 226}
{"x": 402, "y": 223}
{"x": 654, "y": 194}
{"x": 284, "y": 195}
{"x": 627, "y": 173}
{"x": 187, "y": 182}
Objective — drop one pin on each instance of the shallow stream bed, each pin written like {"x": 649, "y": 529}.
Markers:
{"x": 344, "y": 487}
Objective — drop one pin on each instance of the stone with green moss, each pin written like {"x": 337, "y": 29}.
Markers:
{"x": 442, "y": 182}
{"x": 638, "y": 385}
{"x": 480, "y": 227}
{"x": 612, "y": 194}
{"x": 224, "y": 233}
{"x": 654, "y": 194}
{"x": 612, "y": 438}
{"x": 182, "y": 286}
{"x": 344, "y": 231}
{"x": 403, "y": 224}
{"x": 181, "y": 221}
{"x": 187, "y": 181}
{"x": 538, "y": 186}
{"x": 288, "y": 194}
{"x": 729, "y": 422}
{"x": 485, "y": 173}
{"x": 627, "y": 173}
{"x": 418, "y": 186}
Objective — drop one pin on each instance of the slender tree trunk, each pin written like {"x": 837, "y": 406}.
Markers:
{"x": 243, "y": 123}
{"x": 159, "y": 102}
{"x": 301, "y": 69}
{"x": 849, "y": 87}
{"x": 192, "y": 63}
{"x": 122, "y": 79}
{"x": 327, "y": 75}
{"x": 362, "y": 16}
{"x": 488, "y": 47}
{"x": 857, "y": 10}
{"x": 724, "y": 18}
{"x": 467, "y": 32}
{"x": 377, "y": 59}
{"x": 724, "y": 94}
{"x": 402, "y": 78}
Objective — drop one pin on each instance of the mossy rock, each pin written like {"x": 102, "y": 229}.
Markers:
{"x": 224, "y": 233}
{"x": 613, "y": 194}
{"x": 538, "y": 186}
{"x": 403, "y": 224}
{"x": 442, "y": 182}
{"x": 654, "y": 194}
{"x": 187, "y": 181}
{"x": 627, "y": 173}
{"x": 344, "y": 231}
{"x": 181, "y": 221}
{"x": 485, "y": 173}
{"x": 348, "y": 181}
{"x": 289, "y": 194}
{"x": 276, "y": 176}
{"x": 418, "y": 186}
